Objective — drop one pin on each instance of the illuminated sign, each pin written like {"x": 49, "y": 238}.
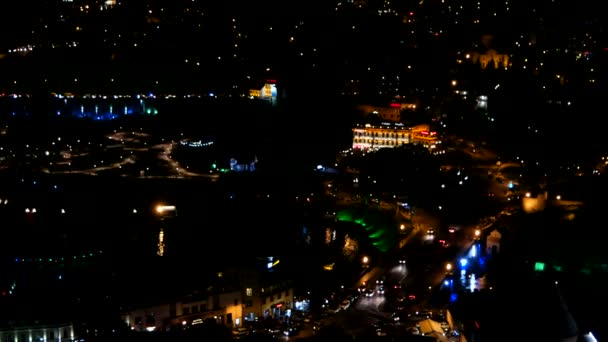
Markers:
{"x": 433, "y": 133}
{"x": 271, "y": 81}
{"x": 395, "y": 105}
{"x": 424, "y": 133}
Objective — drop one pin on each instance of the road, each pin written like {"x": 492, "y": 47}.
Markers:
{"x": 425, "y": 276}
{"x": 131, "y": 143}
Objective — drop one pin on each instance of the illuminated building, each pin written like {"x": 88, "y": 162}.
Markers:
{"x": 47, "y": 333}
{"x": 267, "y": 293}
{"x": 393, "y": 135}
{"x": 224, "y": 308}
{"x": 268, "y": 92}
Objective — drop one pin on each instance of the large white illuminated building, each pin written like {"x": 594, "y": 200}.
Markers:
{"x": 43, "y": 333}
{"x": 268, "y": 92}
{"x": 385, "y": 135}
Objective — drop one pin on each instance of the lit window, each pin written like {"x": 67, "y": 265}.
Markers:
{"x": 249, "y": 292}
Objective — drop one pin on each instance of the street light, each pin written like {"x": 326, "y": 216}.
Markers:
{"x": 448, "y": 267}
{"x": 402, "y": 227}
{"x": 365, "y": 260}
{"x": 477, "y": 233}
{"x": 161, "y": 209}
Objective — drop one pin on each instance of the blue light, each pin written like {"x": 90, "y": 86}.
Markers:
{"x": 453, "y": 297}
{"x": 464, "y": 262}
{"x": 511, "y": 185}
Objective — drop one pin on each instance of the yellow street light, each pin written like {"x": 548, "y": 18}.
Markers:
{"x": 477, "y": 232}
{"x": 161, "y": 209}
{"x": 365, "y": 260}
{"x": 402, "y": 227}
{"x": 448, "y": 266}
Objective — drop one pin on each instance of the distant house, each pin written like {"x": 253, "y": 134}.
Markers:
{"x": 267, "y": 91}
{"x": 493, "y": 241}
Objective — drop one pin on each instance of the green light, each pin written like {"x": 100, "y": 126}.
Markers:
{"x": 557, "y": 268}
{"x": 586, "y": 271}
{"x": 148, "y": 111}
{"x": 376, "y": 222}
{"x": 539, "y": 266}
{"x": 377, "y": 234}
{"x": 213, "y": 166}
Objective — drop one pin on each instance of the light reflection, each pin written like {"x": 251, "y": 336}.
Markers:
{"x": 473, "y": 251}
{"x": 161, "y": 243}
{"x": 472, "y": 282}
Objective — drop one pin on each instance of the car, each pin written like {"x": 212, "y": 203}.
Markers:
{"x": 362, "y": 287}
{"x": 402, "y": 261}
{"x": 369, "y": 292}
{"x": 430, "y": 231}
{"x": 240, "y": 333}
{"x": 345, "y": 304}
{"x": 381, "y": 289}
{"x": 334, "y": 308}
{"x": 413, "y": 330}
{"x": 290, "y": 331}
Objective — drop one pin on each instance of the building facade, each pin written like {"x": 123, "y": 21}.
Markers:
{"x": 393, "y": 135}
{"x": 42, "y": 333}
{"x": 223, "y": 308}
{"x": 272, "y": 302}
{"x": 234, "y": 308}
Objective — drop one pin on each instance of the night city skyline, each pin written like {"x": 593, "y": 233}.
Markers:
{"x": 282, "y": 171}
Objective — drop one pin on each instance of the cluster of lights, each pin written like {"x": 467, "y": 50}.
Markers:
{"x": 57, "y": 259}
{"x": 198, "y": 143}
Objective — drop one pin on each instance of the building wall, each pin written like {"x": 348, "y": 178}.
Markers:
{"x": 54, "y": 333}
{"x": 371, "y": 137}
{"x": 392, "y": 136}
{"x": 225, "y": 308}
{"x": 232, "y": 304}
{"x": 153, "y": 317}
{"x": 275, "y": 304}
